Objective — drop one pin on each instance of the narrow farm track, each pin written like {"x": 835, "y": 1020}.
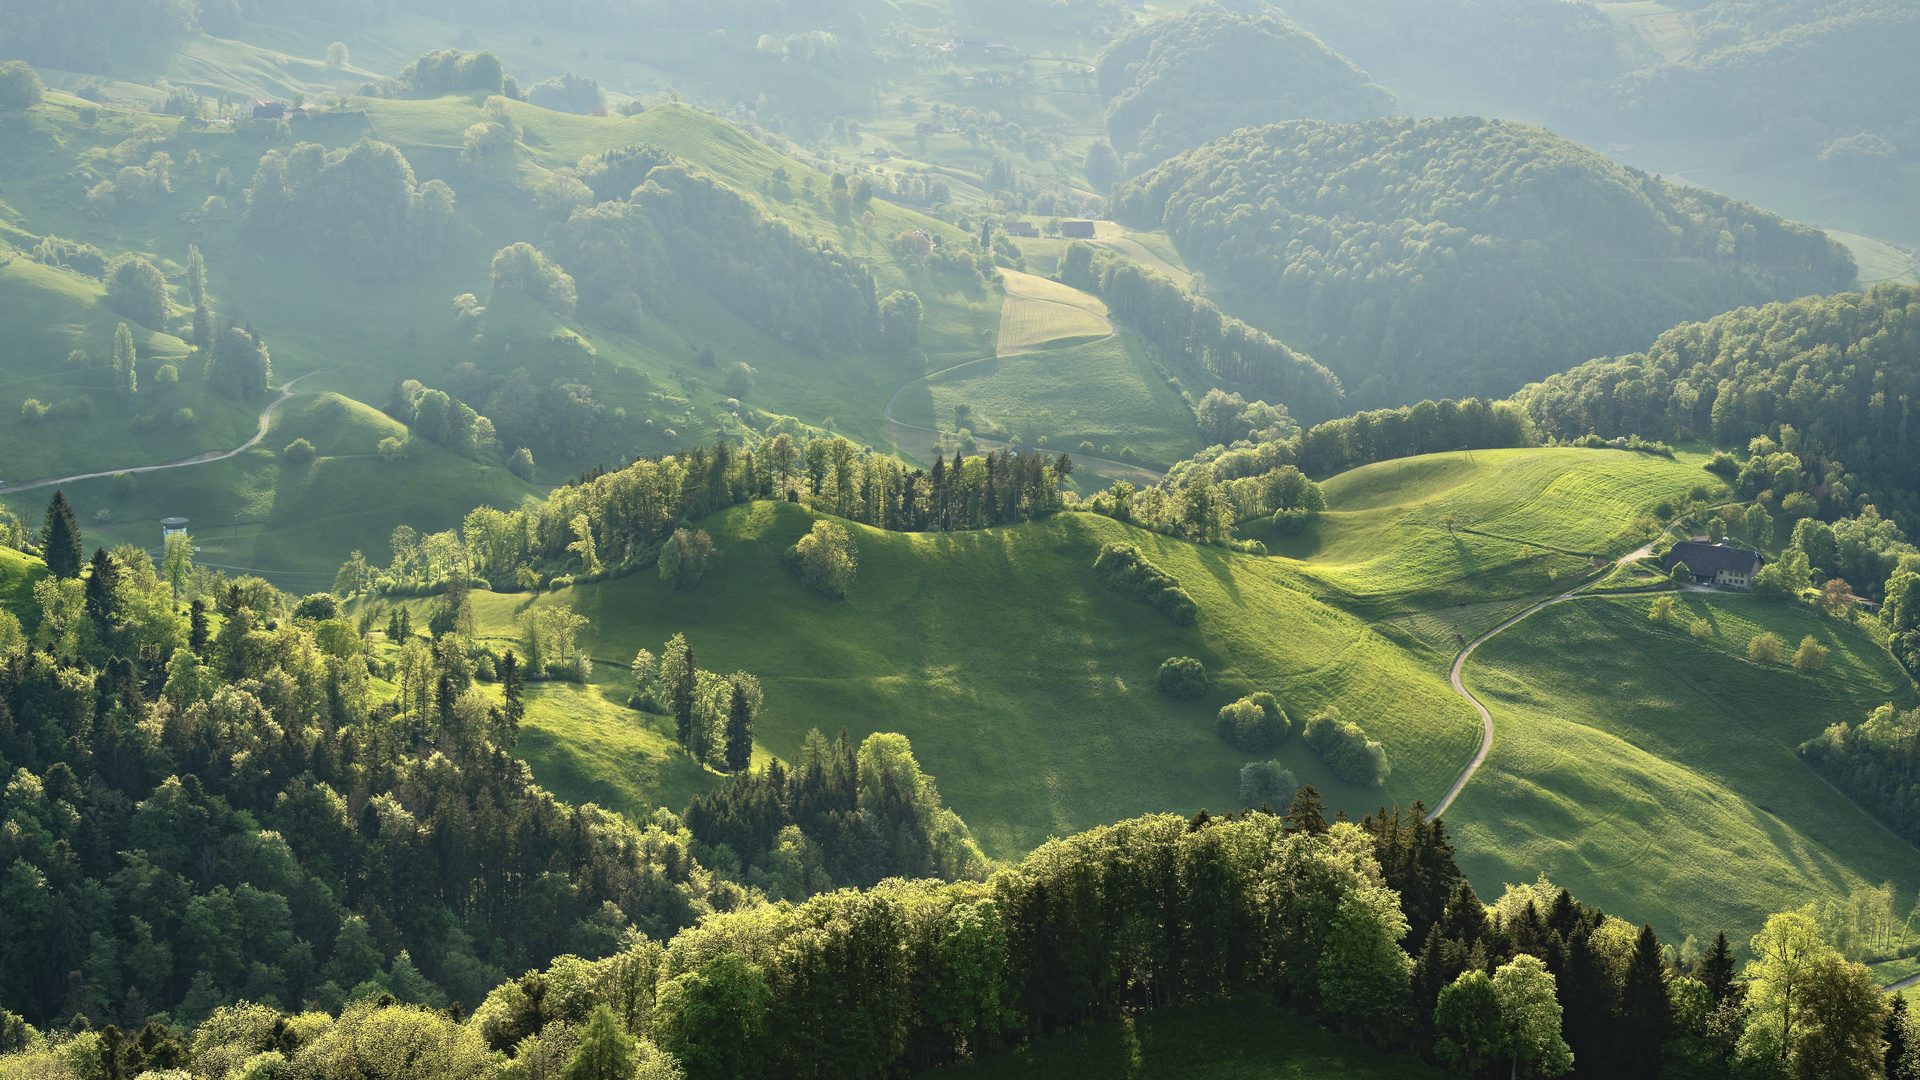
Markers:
{"x": 266, "y": 420}
{"x": 1486, "y": 718}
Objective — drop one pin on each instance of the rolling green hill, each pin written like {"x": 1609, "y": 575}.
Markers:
{"x": 1655, "y": 774}
{"x": 261, "y": 513}
{"x": 1024, "y": 685}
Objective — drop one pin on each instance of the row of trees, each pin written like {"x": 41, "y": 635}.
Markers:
{"x": 1186, "y": 325}
{"x": 607, "y": 521}
{"x": 1461, "y": 254}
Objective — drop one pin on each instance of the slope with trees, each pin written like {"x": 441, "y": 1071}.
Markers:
{"x": 1465, "y": 254}
{"x": 1186, "y": 79}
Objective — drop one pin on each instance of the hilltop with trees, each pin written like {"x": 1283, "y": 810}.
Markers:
{"x": 1464, "y": 255}
{"x": 1177, "y": 82}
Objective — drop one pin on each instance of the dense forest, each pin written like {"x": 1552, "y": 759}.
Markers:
{"x": 1180, "y": 81}
{"x": 1829, "y": 379}
{"x": 1442, "y": 256}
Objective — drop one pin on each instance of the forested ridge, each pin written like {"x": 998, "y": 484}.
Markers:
{"x": 1189, "y": 78}
{"x": 1833, "y": 374}
{"x": 1465, "y": 255}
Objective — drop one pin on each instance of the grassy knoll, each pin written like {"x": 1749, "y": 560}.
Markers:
{"x": 45, "y": 315}
{"x": 1237, "y": 1040}
{"x": 1024, "y": 685}
{"x": 260, "y": 512}
{"x": 1654, "y": 773}
{"x": 1105, "y": 392}
{"x": 1437, "y": 530}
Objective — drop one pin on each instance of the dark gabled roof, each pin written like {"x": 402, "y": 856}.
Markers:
{"x": 1707, "y": 560}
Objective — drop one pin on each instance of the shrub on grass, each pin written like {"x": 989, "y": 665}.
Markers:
{"x": 1662, "y": 610}
{"x": 1680, "y": 575}
{"x": 1811, "y": 656}
{"x": 1123, "y": 569}
{"x": 522, "y": 464}
{"x": 299, "y": 452}
{"x": 391, "y": 449}
{"x": 1254, "y": 723}
{"x": 826, "y": 558}
{"x": 1182, "y": 677}
{"x": 1266, "y": 783}
{"x": 1764, "y": 649}
{"x": 1346, "y": 749}
{"x": 1700, "y": 628}
{"x": 32, "y": 411}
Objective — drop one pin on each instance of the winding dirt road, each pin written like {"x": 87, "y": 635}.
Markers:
{"x": 266, "y": 420}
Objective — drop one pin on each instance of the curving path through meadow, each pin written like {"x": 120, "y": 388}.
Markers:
{"x": 266, "y": 420}
{"x": 1460, "y": 664}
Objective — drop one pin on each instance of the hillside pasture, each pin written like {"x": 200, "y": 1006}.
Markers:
{"x": 1025, "y": 686}
{"x": 1654, "y": 773}
{"x": 1438, "y": 530}
{"x": 1105, "y": 392}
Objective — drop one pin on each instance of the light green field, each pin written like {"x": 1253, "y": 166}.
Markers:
{"x": 294, "y": 524}
{"x": 1655, "y": 775}
{"x": 1229, "y": 1040}
{"x": 1879, "y": 260}
{"x": 1522, "y": 521}
{"x": 1023, "y": 684}
{"x": 1027, "y": 324}
{"x": 1105, "y": 392}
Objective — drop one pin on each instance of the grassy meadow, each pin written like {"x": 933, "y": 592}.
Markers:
{"x": 1025, "y": 687}
{"x": 1654, "y": 773}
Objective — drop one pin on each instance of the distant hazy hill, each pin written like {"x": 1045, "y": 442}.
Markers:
{"x": 1464, "y": 256}
{"x": 1175, "y": 83}
{"x": 1505, "y": 45}
{"x": 1770, "y": 67}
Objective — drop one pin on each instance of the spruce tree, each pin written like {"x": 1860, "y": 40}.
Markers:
{"x": 605, "y": 1052}
{"x": 1716, "y": 968}
{"x": 511, "y": 687}
{"x": 60, "y": 542}
{"x": 1897, "y": 1034}
{"x": 197, "y": 630}
{"x": 103, "y": 574}
{"x": 1646, "y": 1012}
{"x": 1307, "y": 813}
{"x": 739, "y": 729}
{"x": 684, "y": 681}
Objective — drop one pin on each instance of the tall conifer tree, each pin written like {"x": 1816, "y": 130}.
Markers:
{"x": 1646, "y": 1012}
{"x": 60, "y": 543}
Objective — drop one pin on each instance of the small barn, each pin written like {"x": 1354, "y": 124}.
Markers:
{"x": 1715, "y": 564}
{"x": 1077, "y": 230}
{"x": 1020, "y": 228}
{"x": 268, "y": 109}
